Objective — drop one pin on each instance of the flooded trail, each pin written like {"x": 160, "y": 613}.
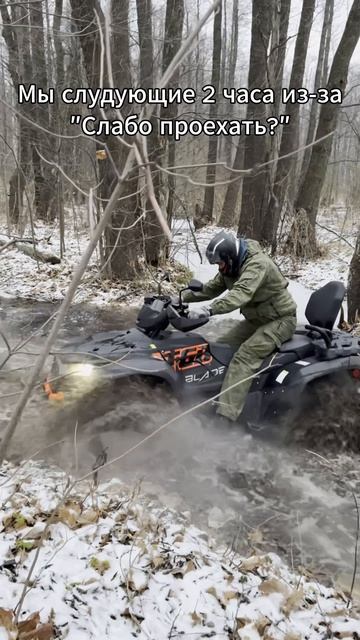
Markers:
{"x": 243, "y": 490}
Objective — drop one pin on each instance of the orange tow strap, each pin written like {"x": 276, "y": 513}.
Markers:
{"x": 52, "y": 395}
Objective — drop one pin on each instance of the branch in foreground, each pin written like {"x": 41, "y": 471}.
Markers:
{"x": 79, "y": 272}
{"x": 81, "y": 268}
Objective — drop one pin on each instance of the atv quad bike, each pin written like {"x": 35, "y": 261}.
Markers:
{"x": 166, "y": 348}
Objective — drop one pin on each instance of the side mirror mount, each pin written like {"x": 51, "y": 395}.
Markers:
{"x": 195, "y": 285}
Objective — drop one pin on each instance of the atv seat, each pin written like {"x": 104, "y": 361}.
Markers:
{"x": 324, "y": 305}
{"x": 303, "y": 346}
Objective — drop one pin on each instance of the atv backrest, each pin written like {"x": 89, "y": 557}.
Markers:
{"x": 324, "y": 305}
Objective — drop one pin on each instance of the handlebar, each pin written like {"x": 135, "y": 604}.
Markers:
{"x": 158, "y": 311}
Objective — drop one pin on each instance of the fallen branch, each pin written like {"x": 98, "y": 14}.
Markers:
{"x": 338, "y": 235}
{"x": 27, "y": 246}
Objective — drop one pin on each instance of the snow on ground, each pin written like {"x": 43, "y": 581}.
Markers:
{"x": 20, "y": 276}
{"x": 114, "y": 566}
{"x": 111, "y": 565}
{"x": 336, "y": 235}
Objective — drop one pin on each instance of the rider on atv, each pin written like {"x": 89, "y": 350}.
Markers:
{"x": 259, "y": 290}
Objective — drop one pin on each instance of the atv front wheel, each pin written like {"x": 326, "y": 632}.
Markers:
{"x": 137, "y": 403}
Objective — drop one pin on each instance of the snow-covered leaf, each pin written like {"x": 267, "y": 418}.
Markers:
{"x": 273, "y": 585}
{"x": 253, "y": 563}
{"x": 293, "y": 602}
{"x": 137, "y": 580}
{"x": 255, "y": 537}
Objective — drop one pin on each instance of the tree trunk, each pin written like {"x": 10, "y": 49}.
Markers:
{"x": 153, "y": 234}
{"x": 276, "y": 72}
{"x": 254, "y": 188}
{"x": 319, "y": 76}
{"x": 229, "y": 216}
{"x": 325, "y": 71}
{"x": 121, "y": 244}
{"x": 57, "y": 209}
{"x": 279, "y": 51}
{"x": 290, "y": 134}
{"x": 44, "y": 183}
{"x": 174, "y": 21}
{"x": 232, "y": 67}
{"x": 59, "y": 50}
{"x": 309, "y": 194}
{"x": 19, "y": 65}
{"x": 209, "y": 196}
{"x": 354, "y": 285}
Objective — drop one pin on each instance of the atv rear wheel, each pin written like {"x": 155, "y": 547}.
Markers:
{"x": 328, "y": 418}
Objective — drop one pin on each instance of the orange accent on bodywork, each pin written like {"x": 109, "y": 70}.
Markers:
{"x": 184, "y": 358}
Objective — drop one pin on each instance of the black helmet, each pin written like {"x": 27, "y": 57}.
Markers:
{"x": 225, "y": 247}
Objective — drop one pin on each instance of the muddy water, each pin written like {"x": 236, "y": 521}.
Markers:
{"x": 238, "y": 487}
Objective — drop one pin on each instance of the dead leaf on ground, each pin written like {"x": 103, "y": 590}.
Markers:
{"x": 262, "y": 624}
{"x": 241, "y": 623}
{"x": 30, "y": 623}
{"x": 294, "y": 601}
{"x": 253, "y": 563}
{"x": 212, "y": 591}
{"x": 292, "y": 636}
{"x": 17, "y": 521}
{"x": 88, "y": 517}
{"x": 7, "y": 620}
{"x": 158, "y": 561}
{"x": 69, "y": 514}
{"x": 42, "y": 632}
{"x": 273, "y": 585}
{"x": 337, "y": 613}
{"x": 256, "y": 537}
{"x": 181, "y": 571}
{"x": 196, "y": 618}
{"x": 229, "y": 595}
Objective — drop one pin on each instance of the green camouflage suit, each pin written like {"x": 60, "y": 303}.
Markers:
{"x": 260, "y": 293}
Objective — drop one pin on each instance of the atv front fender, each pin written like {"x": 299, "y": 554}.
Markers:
{"x": 140, "y": 367}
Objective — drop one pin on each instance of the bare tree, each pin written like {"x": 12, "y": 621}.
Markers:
{"x": 174, "y": 21}
{"x": 122, "y": 255}
{"x": 274, "y": 74}
{"x": 233, "y": 55}
{"x": 284, "y": 177}
{"x": 19, "y": 65}
{"x": 308, "y": 199}
{"x": 44, "y": 183}
{"x": 154, "y": 238}
{"x": 254, "y": 188}
{"x": 208, "y": 206}
{"x": 320, "y": 78}
{"x": 278, "y": 49}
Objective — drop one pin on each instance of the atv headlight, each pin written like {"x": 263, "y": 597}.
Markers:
{"x": 84, "y": 370}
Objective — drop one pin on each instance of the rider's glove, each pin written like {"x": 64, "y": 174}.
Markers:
{"x": 202, "y": 312}
{"x": 175, "y": 301}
